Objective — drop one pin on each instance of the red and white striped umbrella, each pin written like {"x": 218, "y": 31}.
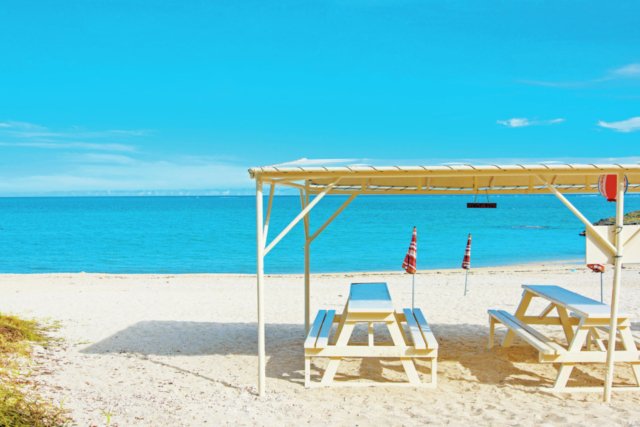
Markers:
{"x": 466, "y": 261}
{"x": 409, "y": 263}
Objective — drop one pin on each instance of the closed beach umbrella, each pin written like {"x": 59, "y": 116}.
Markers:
{"x": 409, "y": 263}
{"x": 466, "y": 263}
{"x": 598, "y": 268}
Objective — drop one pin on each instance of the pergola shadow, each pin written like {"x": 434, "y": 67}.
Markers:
{"x": 502, "y": 366}
{"x": 462, "y": 343}
{"x": 178, "y": 338}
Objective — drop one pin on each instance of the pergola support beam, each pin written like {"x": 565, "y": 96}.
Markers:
{"x": 266, "y": 221}
{"x": 331, "y": 218}
{"x": 300, "y": 216}
{"x": 581, "y": 217}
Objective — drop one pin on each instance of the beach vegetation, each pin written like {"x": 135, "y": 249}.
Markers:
{"x": 20, "y": 404}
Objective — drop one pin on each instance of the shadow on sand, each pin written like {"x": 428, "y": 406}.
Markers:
{"x": 461, "y": 345}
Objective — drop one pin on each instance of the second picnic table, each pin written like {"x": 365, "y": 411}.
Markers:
{"x": 590, "y": 318}
{"x": 371, "y": 303}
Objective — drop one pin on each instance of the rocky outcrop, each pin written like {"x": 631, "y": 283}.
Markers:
{"x": 632, "y": 218}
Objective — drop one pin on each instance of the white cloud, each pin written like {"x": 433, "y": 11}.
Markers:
{"x": 26, "y": 130}
{"x": 521, "y": 122}
{"x": 628, "y": 71}
{"x": 19, "y": 125}
{"x": 72, "y": 145}
{"x": 631, "y": 70}
{"x": 102, "y": 158}
{"x": 628, "y": 125}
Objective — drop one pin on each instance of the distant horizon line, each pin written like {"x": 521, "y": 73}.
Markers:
{"x": 277, "y": 195}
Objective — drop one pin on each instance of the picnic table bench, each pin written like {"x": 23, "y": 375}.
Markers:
{"x": 590, "y": 319}
{"x": 371, "y": 303}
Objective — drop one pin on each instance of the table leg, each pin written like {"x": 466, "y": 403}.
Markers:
{"x": 342, "y": 339}
{"x": 404, "y": 336}
{"x": 434, "y": 371}
{"x": 563, "y": 375}
{"x": 492, "y": 331}
{"x": 577, "y": 342}
{"x": 522, "y": 309}
{"x": 307, "y": 371}
{"x": 627, "y": 338}
{"x": 566, "y": 323}
{"x": 598, "y": 339}
{"x": 407, "y": 362}
{"x": 343, "y": 319}
{"x": 630, "y": 346}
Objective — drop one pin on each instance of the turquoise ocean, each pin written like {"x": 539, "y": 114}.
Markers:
{"x": 217, "y": 234}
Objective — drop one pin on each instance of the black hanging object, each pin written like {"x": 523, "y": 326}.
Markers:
{"x": 482, "y": 205}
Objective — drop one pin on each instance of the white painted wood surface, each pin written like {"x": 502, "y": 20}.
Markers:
{"x": 577, "y": 303}
{"x": 312, "y": 337}
{"x": 523, "y": 331}
{"x": 373, "y": 304}
{"x": 596, "y": 253}
{"x": 414, "y": 329}
{"x": 426, "y": 329}
{"x": 323, "y": 337}
{"x": 582, "y": 328}
{"x": 370, "y": 298}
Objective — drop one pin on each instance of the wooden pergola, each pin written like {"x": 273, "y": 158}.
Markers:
{"x": 313, "y": 180}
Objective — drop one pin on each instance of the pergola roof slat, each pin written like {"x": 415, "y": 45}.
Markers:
{"x": 452, "y": 179}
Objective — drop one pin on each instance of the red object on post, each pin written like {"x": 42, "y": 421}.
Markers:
{"x": 409, "y": 263}
{"x": 466, "y": 261}
{"x": 596, "y": 268}
{"x": 608, "y": 186}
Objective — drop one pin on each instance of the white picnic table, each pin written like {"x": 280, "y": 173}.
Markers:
{"x": 370, "y": 303}
{"x": 584, "y": 344}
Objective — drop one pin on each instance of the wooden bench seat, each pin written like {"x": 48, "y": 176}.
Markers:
{"x": 318, "y": 336}
{"x": 543, "y": 344}
{"x": 421, "y": 333}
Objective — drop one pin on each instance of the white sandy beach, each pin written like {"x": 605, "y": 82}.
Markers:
{"x": 180, "y": 350}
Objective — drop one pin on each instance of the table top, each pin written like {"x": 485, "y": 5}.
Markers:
{"x": 370, "y": 298}
{"x": 585, "y": 307}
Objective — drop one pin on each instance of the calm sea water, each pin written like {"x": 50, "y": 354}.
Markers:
{"x": 217, "y": 234}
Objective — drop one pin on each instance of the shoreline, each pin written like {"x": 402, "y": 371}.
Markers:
{"x": 527, "y": 267}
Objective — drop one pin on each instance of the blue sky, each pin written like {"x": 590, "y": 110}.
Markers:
{"x": 163, "y": 97}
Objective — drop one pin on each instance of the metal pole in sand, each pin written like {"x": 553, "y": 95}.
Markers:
{"x": 601, "y": 291}
{"x": 465, "y": 282}
{"x": 413, "y": 290}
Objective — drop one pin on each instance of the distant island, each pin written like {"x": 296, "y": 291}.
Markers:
{"x": 632, "y": 218}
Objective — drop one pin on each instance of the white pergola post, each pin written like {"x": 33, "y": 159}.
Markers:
{"x": 304, "y": 199}
{"x": 263, "y": 249}
{"x": 260, "y": 279}
{"x": 613, "y": 326}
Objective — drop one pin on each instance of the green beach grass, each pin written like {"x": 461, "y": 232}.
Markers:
{"x": 20, "y": 405}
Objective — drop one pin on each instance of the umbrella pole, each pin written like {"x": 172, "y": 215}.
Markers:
{"x": 601, "y": 291}
{"x": 413, "y": 290}
{"x": 465, "y": 282}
